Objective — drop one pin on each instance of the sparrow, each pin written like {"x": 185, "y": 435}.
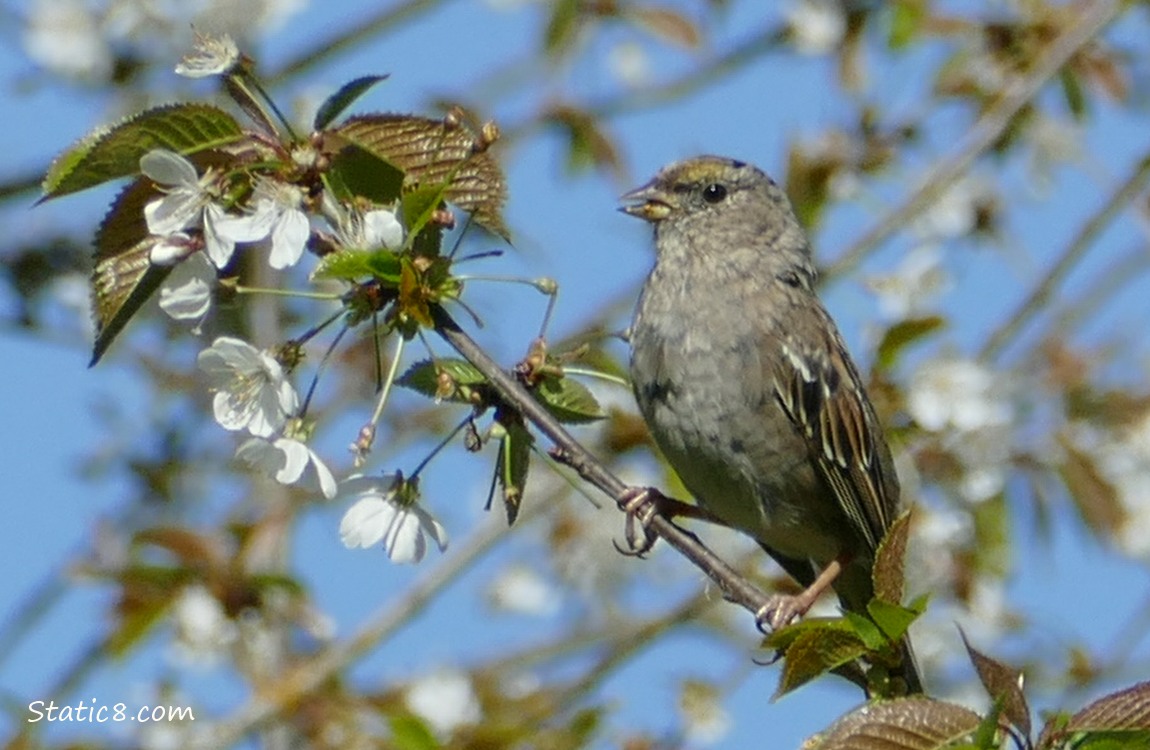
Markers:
{"x": 748, "y": 388}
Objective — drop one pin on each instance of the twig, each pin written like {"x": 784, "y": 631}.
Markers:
{"x": 1074, "y": 252}
{"x": 985, "y": 132}
{"x": 734, "y": 587}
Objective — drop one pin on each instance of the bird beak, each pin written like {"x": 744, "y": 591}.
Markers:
{"x": 647, "y": 202}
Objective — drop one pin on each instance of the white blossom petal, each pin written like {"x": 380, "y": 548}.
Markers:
{"x": 187, "y": 292}
{"x": 381, "y": 228}
{"x": 289, "y": 238}
{"x": 169, "y": 168}
{"x": 212, "y": 55}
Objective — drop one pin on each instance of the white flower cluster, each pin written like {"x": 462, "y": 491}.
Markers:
{"x": 252, "y": 392}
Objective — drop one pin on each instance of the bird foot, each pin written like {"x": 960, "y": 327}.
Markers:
{"x": 779, "y": 611}
{"x": 642, "y": 505}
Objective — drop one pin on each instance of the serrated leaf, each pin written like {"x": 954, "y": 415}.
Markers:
{"x": 431, "y": 152}
{"x": 915, "y": 723}
{"x": 357, "y": 265}
{"x": 568, "y": 400}
{"x": 335, "y": 104}
{"x": 1110, "y": 741}
{"x": 114, "y": 152}
{"x": 357, "y": 171}
{"x": 1003, "y": 683}
{"x": 782, "y": 638}
{"x": 815, "y": 652}
{"x": 889, "y": 573}
{"x": 443, "y": 379}
{"x": 902, "y": 334}
{"x": 1127, "y": 709}
{"x": 511, "y": 469}
{"x": 123, "y": 277}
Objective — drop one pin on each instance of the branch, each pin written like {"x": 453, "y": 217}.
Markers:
{"x": 734, "y": 586}
{"x": 1074, "y": 252}
{"x": 985, "y": 133}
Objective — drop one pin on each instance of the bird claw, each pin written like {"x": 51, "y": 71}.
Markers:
{"x": 641, "y": 505}
{"x": 779, "y": 611}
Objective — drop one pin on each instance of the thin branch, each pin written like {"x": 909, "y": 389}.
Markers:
{"x": 1074, "y": 252}
{"x": 985, "y": 133}
{"x": 309, "y": 676}
{"x": 360, "y": 30}
{"x": 734, "y": 586}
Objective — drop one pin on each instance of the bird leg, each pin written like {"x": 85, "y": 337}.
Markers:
{"x": 781, "y": 609}
{"x": 641, "y": 505}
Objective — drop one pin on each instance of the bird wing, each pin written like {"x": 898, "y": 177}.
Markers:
{"x": 820, "y": 390}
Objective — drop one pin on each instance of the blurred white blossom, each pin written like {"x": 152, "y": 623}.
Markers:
{"x": 629, "y": 63}
{"x": 959, "y": 394}
{"x": 914, "y": 286}
{"x": 252, "y": 390}
{"x": 445, "y": 699}
{"x": 817, "y": 26}
{"x": 65, "y": 37}
{"x": 704, "y": 718}
{"x": 521, "y": 589}
{"x": 955, "y": 213}
{"x": 1124, "y": 459}
{"x": 386, "y": 510}
{"x": 204, "y": 633}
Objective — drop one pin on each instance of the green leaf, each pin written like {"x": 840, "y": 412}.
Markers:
{"x": 123, "y": 277}
{"x": 905, "y": 22}
{"x": 867, "y": 630}
{"x": 901, "y": 335}
{"x": 431, "y": 152}
{"x": 514, "y": 461}
{"x": 443, "y": 379}
{"x": 409, "y": 732}
{"x": 419, "y": 205}
{"x": 561, "y": 26}
{"x": 1072, "y": 89}
{"x": 357, "y": 172}
{"x": 893, "y": 619}
{"x": 888, "y": 572}
{"x": 816, "y": 652}
{"x": 1112, "y": 741}
{"x": 335, "y": 104}
{"x": 114, "y": 152}
{"x": 568, "y": 400}
{"x": 358, "y": 265}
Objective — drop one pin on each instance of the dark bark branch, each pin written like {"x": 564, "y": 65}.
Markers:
{"x": 734, "y": 586}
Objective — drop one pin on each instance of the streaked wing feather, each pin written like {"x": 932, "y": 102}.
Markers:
{"x": 821, "y": 392}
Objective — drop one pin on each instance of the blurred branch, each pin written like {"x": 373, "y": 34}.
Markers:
{"x": 307, "y": 678}
{"x": 985, "y": 133}
{"x": 20, "y": 184}
{"x": 634, "y": 100}
{"x": 1074, "y": 252}
{"x": 358, "y": 32}
{"x": 734, "y": 587}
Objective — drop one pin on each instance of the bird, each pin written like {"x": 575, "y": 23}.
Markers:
{"x": 748, "y": 388}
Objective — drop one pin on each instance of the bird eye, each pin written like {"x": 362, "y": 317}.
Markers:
{"x": 714, "y": 193}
